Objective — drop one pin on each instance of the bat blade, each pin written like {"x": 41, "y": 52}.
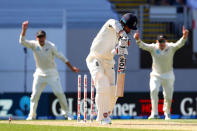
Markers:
{"x": 120, "y": 77}
{"x": 120, "y": 85}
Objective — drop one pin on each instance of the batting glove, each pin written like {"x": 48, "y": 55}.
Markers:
{"x": 120, "y": 51}
{"x": 124, "y": 42}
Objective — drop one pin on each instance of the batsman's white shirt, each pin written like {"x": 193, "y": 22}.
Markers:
{"x": 105, "y": 41}
{"x": 44, "y": 56}
{"x": 162, "y": 59}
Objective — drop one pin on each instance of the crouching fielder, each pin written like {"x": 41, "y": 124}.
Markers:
{"x": 162, "y": 73}
{"x": 100, "y": 62}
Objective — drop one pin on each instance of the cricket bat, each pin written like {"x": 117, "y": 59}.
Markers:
{"x": 120, "y": 76}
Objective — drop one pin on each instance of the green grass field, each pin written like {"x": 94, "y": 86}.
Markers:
{"x": 23, "y": 127}
{"x": 117, "y": 125}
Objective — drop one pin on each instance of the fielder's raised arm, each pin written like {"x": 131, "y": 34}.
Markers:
{"x": 40, "y": 44}
{"x": 24, "y": 27}
{"x": 22, "y": 40}
{"x": 46, "y": 72}
{"x": 144, "y": 46}
{"x": 162, "y": 53}
{"x": 182, "y": 40}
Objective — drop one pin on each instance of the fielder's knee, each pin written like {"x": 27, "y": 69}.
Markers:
{"x": 154, "y": 93}
{"x": 34, "y": 97}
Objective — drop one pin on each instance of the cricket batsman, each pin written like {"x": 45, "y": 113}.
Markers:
{"x": 162, "y": 74}
{"x": 100, "y": 61}
{"x": 46, "y": 73}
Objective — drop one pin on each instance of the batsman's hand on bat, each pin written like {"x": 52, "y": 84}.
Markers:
{"x": 185, "y": 32}
{"x": 121, "y": 48}
{"x": 120, "y": 51}
{"x": 124, "y": 42}
{"x": 136, "y": 36}
{"x": 122, "y": 33}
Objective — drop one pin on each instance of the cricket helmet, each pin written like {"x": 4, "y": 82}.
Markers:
{"x": 130, "y": 20}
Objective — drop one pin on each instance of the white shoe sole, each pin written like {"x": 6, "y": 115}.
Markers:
{"x": 30, "y": 119}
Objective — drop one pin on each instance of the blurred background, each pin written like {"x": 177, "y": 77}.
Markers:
{"x": 72, "y": 26}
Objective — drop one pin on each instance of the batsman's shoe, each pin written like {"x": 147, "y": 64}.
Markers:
{"x": 69, "y": 117}
{"x": 106, "y": 121}
{"x": 153, "y": 117}
{"x": 30, "y": 118}
{"x": 167, "y": 117}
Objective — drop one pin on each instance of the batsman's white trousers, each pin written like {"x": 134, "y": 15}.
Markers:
{"x": 167, "y": 82}
{"x": 39, "y": 83}
{"x": 104, "y": 78}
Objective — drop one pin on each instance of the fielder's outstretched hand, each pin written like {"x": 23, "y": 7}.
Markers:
{"x": 75, "y": 69}
{"x": 136, "y": 36}
{"x": 25, "y": 25}
{"x": 72, "y": 68}
{"x": 185, "y": 32}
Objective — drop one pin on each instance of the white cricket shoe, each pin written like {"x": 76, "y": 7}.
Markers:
{"x": 167, "y": 116}
{"x": 30, "y": 118}
{"x": 106, "y": 121}
{"x": 153, "y": 117}
{"x": 69, "y": 117}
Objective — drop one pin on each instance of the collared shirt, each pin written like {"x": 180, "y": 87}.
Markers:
{"x": 162, "y": 59}
{"x": 105, "y": 41}
{"x": 44, "y": 56}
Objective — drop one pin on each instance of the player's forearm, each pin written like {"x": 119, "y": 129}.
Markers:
{"x": 180, "y": 42}
{"x": 23, "y": 32}
{"x": 69, "y": 65}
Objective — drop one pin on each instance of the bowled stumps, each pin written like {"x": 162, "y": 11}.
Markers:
{"x": 79, "y": 98}
{"x": 85, "y": 80}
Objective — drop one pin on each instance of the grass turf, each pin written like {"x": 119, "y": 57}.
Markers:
{"x": 27, "y": 127}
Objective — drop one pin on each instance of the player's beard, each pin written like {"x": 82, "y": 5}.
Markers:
{"x": 41, "y": 43}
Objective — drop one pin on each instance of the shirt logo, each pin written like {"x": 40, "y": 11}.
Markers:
{"x": 134, "y": 24}
{"x": 46, "y": 49}
{"x": 97, "y": 64}
{"x": 37, "y": 48}
{"x": 158, "y": 52}
{"x": 166, "y": 50}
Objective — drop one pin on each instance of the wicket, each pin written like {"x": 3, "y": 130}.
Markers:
{"x": 85, "y": 99}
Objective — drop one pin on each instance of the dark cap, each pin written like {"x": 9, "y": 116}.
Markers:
{"x": 130, "y": 20}
{"x": 40, "y": 33}
{"x": 161, "y": 38}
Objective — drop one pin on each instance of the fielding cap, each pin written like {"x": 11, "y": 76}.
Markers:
{"x": 161, "y": 38}
{"x": 40, "y": 33}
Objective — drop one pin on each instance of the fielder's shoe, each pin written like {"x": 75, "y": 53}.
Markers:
{"x": 167, "y": 116}
{"x": 153, "y": 117}
{"x": 30, "y": 118}
{"x": 106, "y": 121}
{"x": 69, "y": 117}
